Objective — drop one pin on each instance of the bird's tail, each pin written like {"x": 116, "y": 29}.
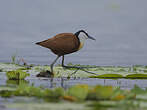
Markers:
{"x": 43, "y": 43}
{"x": 38, "y": 43}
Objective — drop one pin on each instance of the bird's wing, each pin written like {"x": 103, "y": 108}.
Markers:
{"x": 61, "y": 44}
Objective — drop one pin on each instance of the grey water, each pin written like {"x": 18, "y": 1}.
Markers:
{"x": 119, "y": 26}
{"x": 66, "y": 83}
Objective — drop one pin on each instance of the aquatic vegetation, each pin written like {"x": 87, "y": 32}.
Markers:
{"x": 138, "y": 90}
{"x": 115, "y": 76}
{"x": 6, "y": 93}
{"x": 97, "y": 97}
{"x": 108, "y": 76}
{"x": 99, "y": 71}
{"x": 53, "y": 95}
{"x": 123, "y": 95}
{"x": 74, "y": 93}
{"x": 23, "y": 68}
{"x": 16, "y": 75}
{"x": 79, "y": 92}
{"x": 145, "y": 71}
{"x": 41, "y": 68}
{"x": 103, "y": 92}
{"x": 10, "y": 67}
{"x": 136, "y": 76}
{"x": 13, "y": 58}
{"x": 115, "y": 105}
{"x": 25, "y": 90}
{"x": 121, "y": 70}
{"x": 34, "y": 105}
{"x": 79, "y": 65}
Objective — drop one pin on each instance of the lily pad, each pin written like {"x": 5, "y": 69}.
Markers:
{"x": 137, "y": 76}
{"x": 80, "y": 92}
{"x": 16, "y": 75}
{"x": 103, "y": 92}
{"x": 25, "y": 90}
{"x": 53, "y": 95}
{"x": 108, "y": 76}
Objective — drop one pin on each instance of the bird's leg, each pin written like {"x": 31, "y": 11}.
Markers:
{"x": 63, "y": 61}
{"x": 81, "y": 68}
{"x": 53, "y": 64}
{"x": 70, "y": 66}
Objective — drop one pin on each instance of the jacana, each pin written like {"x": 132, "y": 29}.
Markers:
{"x": 65, "y": 43}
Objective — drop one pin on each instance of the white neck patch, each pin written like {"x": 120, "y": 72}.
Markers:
{"x": 82, "y": 37}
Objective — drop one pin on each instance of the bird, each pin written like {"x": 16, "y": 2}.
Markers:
{"x": 65, "y": 43}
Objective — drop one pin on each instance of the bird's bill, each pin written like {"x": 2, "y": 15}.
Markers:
{"x": 91, "y": 37}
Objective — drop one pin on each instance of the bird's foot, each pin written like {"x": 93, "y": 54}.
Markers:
{"x": 76, "y": 67}
{"x": 79, "y": 68}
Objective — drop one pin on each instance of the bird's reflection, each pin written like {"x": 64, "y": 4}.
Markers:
{"x": 63, "y": 80}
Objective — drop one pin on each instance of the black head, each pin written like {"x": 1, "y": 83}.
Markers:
{"x": 77, "y": 33}
{"x": 87, "y": 36}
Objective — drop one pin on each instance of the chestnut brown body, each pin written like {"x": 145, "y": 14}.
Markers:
{"x": 62, "y": 44}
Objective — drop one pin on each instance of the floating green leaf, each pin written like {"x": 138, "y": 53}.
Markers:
{"x": 53, "y": 95}
{"x": 108, "y": 76}
{"x": 137, "y": 76}
{"x": 138, "y": 90}
{"x": 6, "y": 93}
{"x": 103, "y": 92}
{"x": 80, "y": 92}
{"x": 16, "y": 75}
{"x": 25, "y": 90}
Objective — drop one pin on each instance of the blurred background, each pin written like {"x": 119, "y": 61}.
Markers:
{"x": 119, "y": 26}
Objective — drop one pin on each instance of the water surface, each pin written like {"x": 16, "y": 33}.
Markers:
{"x": 66, "y": 83}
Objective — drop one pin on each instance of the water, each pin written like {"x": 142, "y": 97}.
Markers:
{"x": 66, "y": 83}
{"x": 118, "y": 25}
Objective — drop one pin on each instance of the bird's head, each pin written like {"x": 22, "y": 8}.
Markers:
{"x": 82, "y": 35}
